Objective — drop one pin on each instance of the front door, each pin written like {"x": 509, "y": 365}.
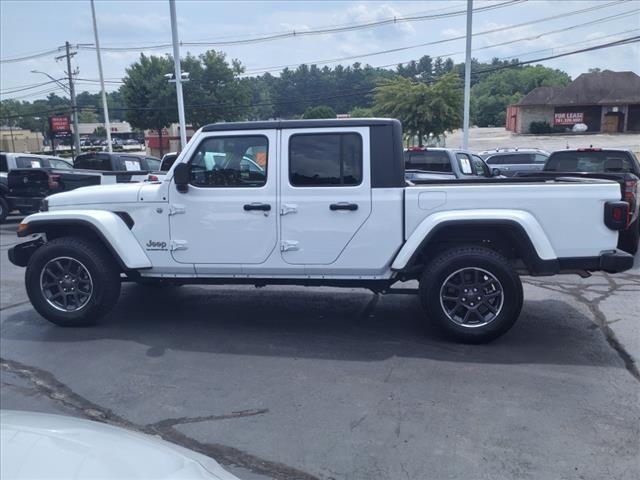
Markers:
{"x": 325, "y": 192}
{"x": 228, "y": 213}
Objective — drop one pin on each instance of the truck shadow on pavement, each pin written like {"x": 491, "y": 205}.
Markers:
{"x": 349, "y": 325}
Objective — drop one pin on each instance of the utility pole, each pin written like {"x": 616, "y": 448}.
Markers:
{"x": 176, "y": 61}
{"x": 105, "y": 107}
{"x": 72, "y": 94}
{"x": 467, "y": 78}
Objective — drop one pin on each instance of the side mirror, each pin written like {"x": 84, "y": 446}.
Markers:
{"x": 495, "y": 172}
{"x": 182, "y": 176}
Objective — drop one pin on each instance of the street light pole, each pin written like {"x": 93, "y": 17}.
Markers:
{"x": 105, "y": 107}
{"x": 178, "y": 74}
{"x": 467, "y": 78}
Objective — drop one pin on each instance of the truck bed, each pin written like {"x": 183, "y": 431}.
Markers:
{"x": 554, "y": 206}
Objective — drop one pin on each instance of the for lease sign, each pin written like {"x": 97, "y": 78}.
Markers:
{"x": 568, "y": 118}
{"x": 59, "y": 124}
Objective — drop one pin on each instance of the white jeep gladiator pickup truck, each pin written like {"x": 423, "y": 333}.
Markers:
{"x": 322, "y": 202}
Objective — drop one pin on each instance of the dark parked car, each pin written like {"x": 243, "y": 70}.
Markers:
{"x": 25, "y": 162}
{"x": 511, "y": 161}
{"x": 618, "y": 165}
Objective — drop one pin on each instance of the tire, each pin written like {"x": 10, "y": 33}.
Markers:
{"x": 4, "y": 209}
{"x": 442, "y": 294}
{"x": 630, "y": 237}
{"x": 92, "y": 292}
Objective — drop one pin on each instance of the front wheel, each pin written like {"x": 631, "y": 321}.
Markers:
{"x": 472, "y": 294}
{"x": 72, "y": 281}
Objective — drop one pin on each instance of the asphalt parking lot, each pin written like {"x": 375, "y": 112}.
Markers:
{"x": 296, "y": 383}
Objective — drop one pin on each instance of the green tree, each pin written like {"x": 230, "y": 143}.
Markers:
{"x": 361, "y": 112}
{"x": 491, "y": 96}
{"x": 150, "y": 99}
{"x": 214, "y": 91}
{"x": 320, "y": 111}
{"x": 423, "y": 109}
{"x": 100, "y": 131}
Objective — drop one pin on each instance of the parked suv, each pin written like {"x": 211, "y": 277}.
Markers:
{"x": 510, "y": 161}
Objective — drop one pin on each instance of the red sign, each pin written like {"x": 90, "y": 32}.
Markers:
{"x": 568, "y": 118}
{"x": 59, "y": 124}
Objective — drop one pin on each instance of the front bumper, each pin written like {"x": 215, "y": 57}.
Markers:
{"x": 20, "y": 254}
{"x": 614, "y": 261}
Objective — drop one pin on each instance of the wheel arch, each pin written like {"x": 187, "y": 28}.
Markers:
{"x": 521, "y": 242}
{"x": 107, "y": 228}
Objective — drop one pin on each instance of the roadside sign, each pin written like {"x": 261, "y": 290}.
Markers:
{"x": 568, "y": 118}
{"x": 59, "y": 124}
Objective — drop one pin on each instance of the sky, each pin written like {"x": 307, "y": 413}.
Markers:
{"x": 34, "y": 26}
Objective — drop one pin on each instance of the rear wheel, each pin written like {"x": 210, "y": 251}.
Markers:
{"x": 72, "y": 281}
{"x": 471, "y": 294}
{"x": 630, "y": 237}
{"x": 4, "y": 209}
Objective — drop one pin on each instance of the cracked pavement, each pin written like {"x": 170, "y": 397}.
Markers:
{"x": 296, "y": 383}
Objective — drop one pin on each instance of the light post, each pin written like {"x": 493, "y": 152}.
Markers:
{"x": 66, "y": 88}
{"x": 178, "y": 74}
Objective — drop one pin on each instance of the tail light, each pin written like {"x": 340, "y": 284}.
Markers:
{"x": 153, "y": 178}
{"x": 630, "y": 188}
{"x": 54, "y": 181}
{"x": 615, "y": 215}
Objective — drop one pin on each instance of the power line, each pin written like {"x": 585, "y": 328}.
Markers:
{"x": 517, "y": 56}
{"x": 31, "y": 94}
{"x": 322, "y": 31}
{"x": 21, "y": 88}
{"x": 625, "y": 41}
{"x": 30, "y": 57}
{"x": 460, "y": 37}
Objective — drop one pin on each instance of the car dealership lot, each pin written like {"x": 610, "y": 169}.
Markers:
{"x": 292, "y": 382}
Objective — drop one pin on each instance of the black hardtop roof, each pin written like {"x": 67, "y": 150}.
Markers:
{"x": 281, "y": 124}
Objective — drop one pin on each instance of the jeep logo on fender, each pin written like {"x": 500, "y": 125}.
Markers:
{"x": 151, "y": 245}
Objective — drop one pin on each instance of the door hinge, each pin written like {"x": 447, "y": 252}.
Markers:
{"x": 288, "y": 208}
{"x": 178, "y": 245}
{"x": 176, "y": 209}
{"x": 289, "y": 245}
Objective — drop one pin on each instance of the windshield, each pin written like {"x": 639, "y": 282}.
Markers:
{"x": 590, "y": 161}
{"x": 428, "y": 161}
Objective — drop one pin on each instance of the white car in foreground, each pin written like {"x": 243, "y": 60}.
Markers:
{"x": 44, "y": 446}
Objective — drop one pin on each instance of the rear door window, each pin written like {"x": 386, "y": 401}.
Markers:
{"x": 428, "y": 161}
{"x": 32, "y": 162}
{"x": 93, "y": 161}
{"x": 465, "y": 164}
{"x": 325, "y": 159}
{"x": 130, "y": 163}
{"x": 4, "y": 167}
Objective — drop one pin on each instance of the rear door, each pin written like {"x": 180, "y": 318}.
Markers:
{"x": 325, "y": 192}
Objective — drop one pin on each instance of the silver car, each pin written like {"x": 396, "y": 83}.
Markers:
{"x": 511, "y": 161}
